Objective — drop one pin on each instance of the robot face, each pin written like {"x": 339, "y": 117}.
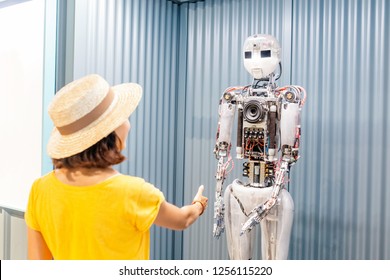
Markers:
{"x": 261, "y": 54}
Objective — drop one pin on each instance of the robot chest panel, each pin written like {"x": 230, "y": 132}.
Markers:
{"x": 260, "y": 121}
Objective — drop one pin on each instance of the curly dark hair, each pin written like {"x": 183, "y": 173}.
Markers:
{"x": 103, "y": 154}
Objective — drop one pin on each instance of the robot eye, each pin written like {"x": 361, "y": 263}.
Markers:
{"x": 248, "y": 55}
{"x": 266, "y": 53}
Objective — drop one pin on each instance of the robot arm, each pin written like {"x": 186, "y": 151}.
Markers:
{"x": 292, "y": 100}
{"x": 227, "y": 108}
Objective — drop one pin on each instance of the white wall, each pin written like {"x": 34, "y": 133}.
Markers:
{"x": 27, "y": 75}
{"x": 21, "y": 92}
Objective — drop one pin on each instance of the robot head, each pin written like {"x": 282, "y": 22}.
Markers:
{"x": 261, "y": 54}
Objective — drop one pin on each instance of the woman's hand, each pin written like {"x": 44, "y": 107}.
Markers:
{"x": 173, "y": 217}
{"x": 199, "y": 198}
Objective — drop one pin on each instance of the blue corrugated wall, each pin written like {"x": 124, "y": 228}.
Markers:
{"x": 137, "y": 41}
{"x": 185, "y": 55}
{"x": 340, "y": 54}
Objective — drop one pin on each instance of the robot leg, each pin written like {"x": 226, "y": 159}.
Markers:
{"x": 239, "y": 200}
{"x": 276, "y": 229}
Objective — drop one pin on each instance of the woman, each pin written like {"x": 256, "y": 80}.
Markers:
{"x": 84, "y": 209}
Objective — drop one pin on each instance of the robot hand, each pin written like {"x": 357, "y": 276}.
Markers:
{"x": 257, "y": 214}
{"x": 219, "y": 224}
{"x": 219, "y": 207}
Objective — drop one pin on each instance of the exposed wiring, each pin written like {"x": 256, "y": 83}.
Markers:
{"x": 280, "y": 72}
{"x": 228, "y": 163}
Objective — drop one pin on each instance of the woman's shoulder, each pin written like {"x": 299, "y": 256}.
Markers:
{"x": 133, "y": 183}
{"x": 42, "y": 183}
{"x": 46, "y": 178}
{"x": 129, "y": 179}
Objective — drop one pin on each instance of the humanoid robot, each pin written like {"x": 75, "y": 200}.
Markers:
{"x": 268, "y": 136}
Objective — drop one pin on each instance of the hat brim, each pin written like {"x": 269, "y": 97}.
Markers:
{"x": 127, "y": 97}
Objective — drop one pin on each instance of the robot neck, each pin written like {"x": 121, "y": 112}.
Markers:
{"x": 263, "y": 85}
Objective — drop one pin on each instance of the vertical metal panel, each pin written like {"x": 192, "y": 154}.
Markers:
{"x": 49, "y": 78}
{"x": 338, "y": 52}
{"x": 216, "y": 33}
{"x": 341, "y": 187}
{"x": 136, "y": 41}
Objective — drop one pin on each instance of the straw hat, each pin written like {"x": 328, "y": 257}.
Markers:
{"x": 87, "y": 110}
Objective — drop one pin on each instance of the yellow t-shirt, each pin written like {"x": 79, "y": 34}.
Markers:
{"x": 109, "y": 220}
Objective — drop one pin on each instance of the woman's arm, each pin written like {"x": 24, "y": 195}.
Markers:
{"x": 173, "y": 217}
{"x": 37, "y": 248}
